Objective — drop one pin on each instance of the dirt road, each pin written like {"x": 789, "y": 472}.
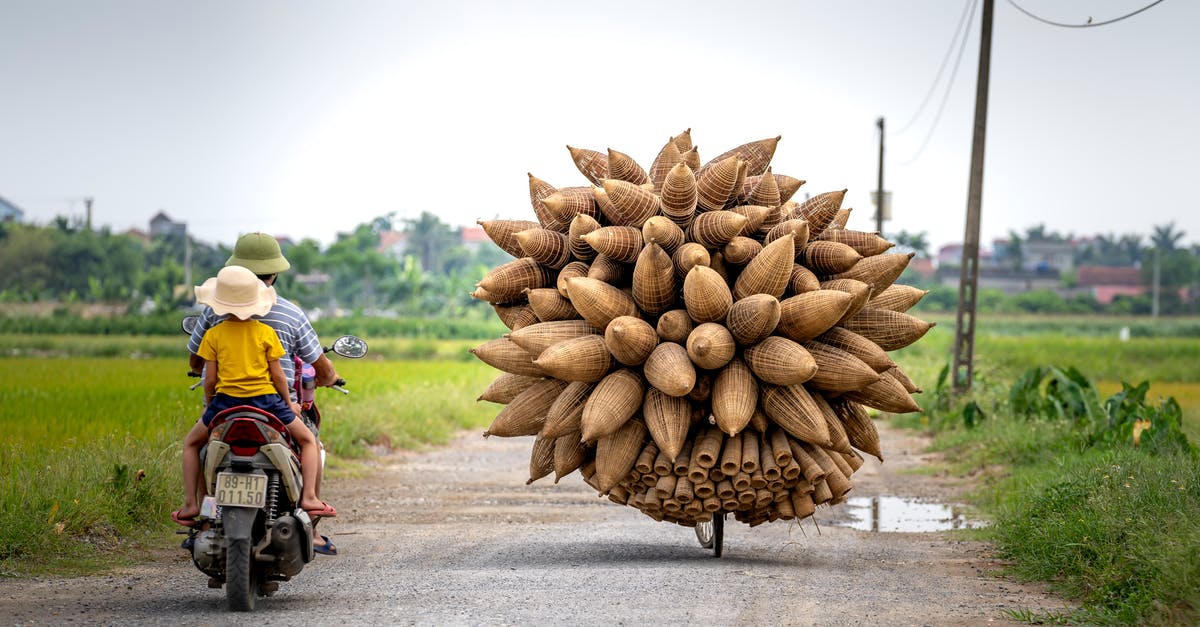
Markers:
{"x": 454, "y": 536}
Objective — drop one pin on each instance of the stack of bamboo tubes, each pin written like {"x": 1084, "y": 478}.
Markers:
{"x": 692, "y": 340}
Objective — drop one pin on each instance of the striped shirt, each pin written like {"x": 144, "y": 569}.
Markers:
{"x": 295, "y": 332}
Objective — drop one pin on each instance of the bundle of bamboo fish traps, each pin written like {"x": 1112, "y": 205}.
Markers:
{"x": 691, "y": 339}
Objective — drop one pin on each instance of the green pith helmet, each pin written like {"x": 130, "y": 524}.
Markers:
{"x": 259, "y": 253}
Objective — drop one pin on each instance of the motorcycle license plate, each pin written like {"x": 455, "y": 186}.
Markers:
{"x": 241, "y": 490}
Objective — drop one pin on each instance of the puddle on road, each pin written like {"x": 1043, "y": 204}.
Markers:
{"x": 903, "y": 515}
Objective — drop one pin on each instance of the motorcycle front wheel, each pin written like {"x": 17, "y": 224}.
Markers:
{"x": 240, "y": 583}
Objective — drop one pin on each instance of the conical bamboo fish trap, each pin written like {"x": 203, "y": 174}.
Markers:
{"x": 675, "y": 326}
{"x": 584, "y": 358}
{"x": 668, "y": 419}
{"x": 630, "y": 339}
{"x": 679, "y": 195}
{"x": 860, "y": 429}
{"x": 820, "y": 210}
{"x": 838, "y": 371}
{"x": 755, "y": 216}
{"x": 716, "y": 183}
{"x": 598, "y": 302}
{"x": 688, "y": 256}
{"x": 550, "y": 306}
{"x": 566, "y": 203}
{"x": 768, "y": 272}
{"x": 654, "y": 280}
{"x": 752, "y": 318}
{"x": 507, "y": 281}
{"x": 536, "y": 338}
{"x": 591, "y": 163}
{"x": 608, "y": 270}
{"x": 866, "y": 244}
{"x": 622, "y": 167}
{"x": 504, "y": 354}
{"x": 541, "y": 459}
{"x": 616, "y": 454}
{"x": 735, "y": 397}
{"x": 515, "y": 316}
{"x": 710, "y": 346}
{"x": 630, "y": 204}
{"x": 581, "y": 225}
{"x": 549, "y": 248}
{"x": 857, "y": 345}
{"x": 805, "y": 316}
{"x": 691, "y": 158}
{"x": 569, "y": 455}
{"x": 780, "y": 361}
{"x": 761, "y": 190}
{"x": 669, "y": 369}
{"x": 860, "y": 292}
{"x": 538, "y": 191}
{"x": 504, "y": 388}
{"x": 887, "y": 394}
{"x": 740, "y": 250}
{"x": 797, "y": 228}
{"x": 526, "y": 414}
{"x": 891, "y": 330}
{"x": 898, "y": 297}
{"x": 714, "y": 229}
{"x": 839, "y": 220}
{"x": 757, "y": 155}
{"x": 622, "y": 243}
{"x": 569, "y": 271}
{"x": 668, "y": 157}
{"x": 879, "y": 271}
{"x": 909, "y": 385}
{"x": 662, "y": 231}
{"x": 827, "y": 257}
{"x": 792, "y": 408}
{"x": 566, "y": 412}
{"x": 706, "y": 295}
{"x": 502, "y": 233}
{"x": 803, "y": 280}
{"x": 617, "y": 397}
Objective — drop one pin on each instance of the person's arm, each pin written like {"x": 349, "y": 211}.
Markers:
{"x": 326, "y": 374}
{"x": 210, "y": 380}
{"x": 281, "y": 384}
{"x": 195, "y": 362}
{"x": 203, "y": 322}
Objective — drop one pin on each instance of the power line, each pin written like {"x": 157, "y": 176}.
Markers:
{"x": 962, "y": 21}
{"x": 945, "y": 96}
{"x": 1088, "y": 24}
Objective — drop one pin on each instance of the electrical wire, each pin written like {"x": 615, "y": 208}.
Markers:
{"x": 962, "y": 21}
{"x": 1088, "y": 24}
{"x": 945, "y": 96}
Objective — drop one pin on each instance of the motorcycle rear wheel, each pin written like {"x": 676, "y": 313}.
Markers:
{"x": 240, "y": 584}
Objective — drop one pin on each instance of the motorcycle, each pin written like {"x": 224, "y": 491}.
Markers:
{"x": 251, "y": 533}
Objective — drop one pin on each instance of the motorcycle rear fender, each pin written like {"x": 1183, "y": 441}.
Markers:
{"x": 289, "y": 468}
{"x": 238, "y": 522}
{"x": 269, "y": 456}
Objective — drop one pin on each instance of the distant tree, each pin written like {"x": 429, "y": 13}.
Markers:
{"x": 1165, "y": 237}
{"x": 430, "y": 240}
{"x": 913, "y": 243}
{"x": 1014, "y": 251}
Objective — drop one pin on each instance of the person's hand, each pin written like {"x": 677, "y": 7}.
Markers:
{"x": 328, "y": 381}
{"x": 295, "y": 408}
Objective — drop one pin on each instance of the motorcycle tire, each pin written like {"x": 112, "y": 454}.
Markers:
{"x": 240, "y": 583}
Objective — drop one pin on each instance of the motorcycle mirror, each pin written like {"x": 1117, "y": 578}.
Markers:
{"x": 189, "y": 323}
{"x": 350, "y": 346}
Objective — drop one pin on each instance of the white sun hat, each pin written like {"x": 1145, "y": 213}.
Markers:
{"x": 236, "y": 291}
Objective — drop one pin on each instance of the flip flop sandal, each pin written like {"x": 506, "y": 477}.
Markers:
{"x": 327, "y": 548}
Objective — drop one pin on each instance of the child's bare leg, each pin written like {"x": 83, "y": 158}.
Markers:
{"x": 193, "y": 484}
{"x": 310, "y": 464}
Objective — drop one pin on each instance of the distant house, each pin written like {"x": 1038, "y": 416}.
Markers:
{"x": 161, "y": 225}
{"x": 138, "y": 234}
{"x": 1048, "y": 254}
{"x": 472, "y": 237}
{"x": 1105, "y": 283}
{"x": 392, "y": 243}
{"x": 10, "y": 212}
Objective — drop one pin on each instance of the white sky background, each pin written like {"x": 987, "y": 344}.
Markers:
{"x": 306, "y": 118}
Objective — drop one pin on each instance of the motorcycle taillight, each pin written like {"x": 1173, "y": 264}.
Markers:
{"x": 244, "y": 437}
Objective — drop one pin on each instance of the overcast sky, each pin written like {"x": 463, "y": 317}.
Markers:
{"x": 306, "y": 118}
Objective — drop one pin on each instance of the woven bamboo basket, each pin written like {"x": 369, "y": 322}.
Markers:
{"x": 752, "y": 318}
{"x": 526, "y": 414}
{"x": 569, "y": 271}
{"x": 548, "y": 305}
{"x": 667, "y": 418}
{"x": 705, "y": 453}
{"x": 857, "y": 345}
{"x": 879, "y": 271}
{"x": 706, "y": 295}
{"x": 860, "y": 429}
{"x": 629, "y": 203}
{"x": 780, "y": 361}
{"x": 751, "y": 443}
{"x": 654, "y": 280}
{"x": 598, "y": 302}
{"x": 768, "y": 272}
{"x": 898, "y": 298}
{"x": 616, "y": 454}
{"x": 860, "y": 292}
{"x": 504, "y": 354}
{"x": 622, "y": 243}
{"x": 710, "y": 346}
{"x": 717, "y": 182}
{"x": 536, "y": 338}
{"x": 581, "y": 225}
{"x": 887, "y": 394}
{"x": 805, "y": 316}
{"x": 679, "y": 195}
{"x": 569, "y": 455}
{"x": 761, "y": 189}
{"x": 481, "y": 294}
{"x": 691, "y": 158}
{"x": 891, "y": 330}
{"x": 617, "y": 397}
{"x": 802, "y": 280}
{"x": 504, "y": 388}
{"x": 797, "y": 228}
{"x": 731, "y": 460}
{"x": 909, "y": 385}
{"x": 668, "y": 156}
{"x": 584, "y": 358}
{"x": 674, "y": 326}
{"x": 866, "y": 244}
{"x": 812, "y": 471}
{"x": 756, "y": 215}
{"x": 792, "y": 408}
{"x": 541, "y": 459}
{"x": 507, "y": 281}
{"x": 591, "y": 163}
{"x": 622, "y": 167}
{"x": 515, "y": 316}
{"x": 539, "y": 190}
{"x": 630, "y": 339}
{"x": 662, "y": 231}
{"x": 717, "y": 263}
{"x": 502, "y": 232}
{"x": 734, "y": 397}
{"x": 740, "y": 250}
{"x": 756, "y": 154}
{"x": 838, "y": 371}
{"x": 566, "y": 203}
{"x": 839, "y": 220}
{"x": 688, "y": 256}
{"x": 669, "y": 369}
{"x": 839, "y": 443}
{"x": 566, "y": 412}
{"x": 820, "y": 210}
{"x": 714, "y": 229}
{"x": 608, "y": 270}
{"x": 826, "y": 257}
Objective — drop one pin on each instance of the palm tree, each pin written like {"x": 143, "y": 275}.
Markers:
{"x": 1165, "y": 237}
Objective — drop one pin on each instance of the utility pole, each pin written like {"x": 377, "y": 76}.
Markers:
{"x": 87, "y": 203}
{"x": 968, "y": 283}
{"x": 1154, "y": 289}
{"x": 879, "y": 183}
